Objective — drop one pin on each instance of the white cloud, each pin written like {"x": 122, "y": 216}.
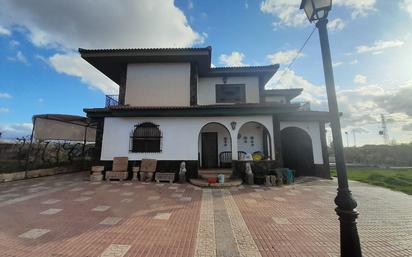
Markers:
{"x": 379, "y": 46}
{"x": 336, "y": 24}
{"x": 14, "y": 43}
{"x": 74, "y": 65}
{"x": 234, "y": 59}
{"x": 4, "y": 110}
{"x": 68, "y": 25}
{"x": 407, "y": 127}
{"x": 287, "y": 78}
{"x": 284, "y": 57}
{"x": 361, "y": 106}
{"x": 11, "y": 131}
{"x": 5, "y": 95}
{"x": 108, "y": 24}
{"x": 407, "y": 6}
{"x": 360, "y": 79}
{"x": 354, "y": 61}
{"x": 288, "y": 13}
{"x": 4, "y": 31}
{"x": 359, "y": 7}
{"x": 337, "y": 64}
{"x": 20, "y": 57}
{"x": 190, "y": 4}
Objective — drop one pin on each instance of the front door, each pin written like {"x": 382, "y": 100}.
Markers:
{"x": 209, "y": 150}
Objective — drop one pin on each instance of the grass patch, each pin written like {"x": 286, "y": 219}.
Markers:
{"x": 395, "y": 179}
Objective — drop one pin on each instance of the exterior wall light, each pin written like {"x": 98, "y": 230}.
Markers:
{"x": 233, "y": 125}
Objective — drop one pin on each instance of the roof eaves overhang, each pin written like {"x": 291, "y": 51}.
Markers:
{"x": 199, "y": 111}
{"x": 113, "y": 62}
{"x": 264, "y": 72}
{"x": 288, "y": 93}
{"x": 318, "y": 116}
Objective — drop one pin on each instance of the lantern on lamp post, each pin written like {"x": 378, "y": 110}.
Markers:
{"x": 318, "y": 10}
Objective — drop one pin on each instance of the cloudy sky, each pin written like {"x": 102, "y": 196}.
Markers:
{"x": 371, "y": 41}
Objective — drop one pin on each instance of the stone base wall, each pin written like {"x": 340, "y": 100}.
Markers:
{"x": 6, "y": 177}
{"x": 322, "y": 171}
{"x": 170, "y": 166}
{"x": 257, "y": 167}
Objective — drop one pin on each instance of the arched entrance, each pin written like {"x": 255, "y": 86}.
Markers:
{"x": 297, "y": 151}
{"x": 253, "y": 137}
{"x": 215, "y": 146}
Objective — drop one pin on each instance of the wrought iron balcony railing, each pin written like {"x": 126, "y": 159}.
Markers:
{"x": 112, "y": 100}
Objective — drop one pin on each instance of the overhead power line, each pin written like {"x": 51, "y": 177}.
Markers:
{"x": 296, "y": 56}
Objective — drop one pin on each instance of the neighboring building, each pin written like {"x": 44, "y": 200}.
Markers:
{"x": 173, "y": 106}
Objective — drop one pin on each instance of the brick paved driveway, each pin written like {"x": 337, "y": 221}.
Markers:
{"x": 67, "y": 216}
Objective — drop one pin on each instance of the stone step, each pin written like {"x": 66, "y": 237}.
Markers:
{"x": 228, "y": 183}
{"x": 216, "y": 171}
{"x": 214, "y": 175}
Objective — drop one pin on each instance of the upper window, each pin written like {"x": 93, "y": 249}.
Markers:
{"x": 230, "y": 93}
{"x": 146, "y": 138}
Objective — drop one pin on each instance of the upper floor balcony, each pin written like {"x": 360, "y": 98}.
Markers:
{"x": 112, "y": 100}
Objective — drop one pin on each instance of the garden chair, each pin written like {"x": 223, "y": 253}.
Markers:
{"x": 119, "y": 169}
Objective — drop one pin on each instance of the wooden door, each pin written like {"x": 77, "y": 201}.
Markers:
{"x": 209, "y": 150}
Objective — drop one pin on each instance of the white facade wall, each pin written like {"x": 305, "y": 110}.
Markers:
{"x": 180, "y": 135}
{"x": 312, "y": 128}
{"x": 206, "y": 88}
{"x": 250, "y": 130}
{"x": 158, "y": 84}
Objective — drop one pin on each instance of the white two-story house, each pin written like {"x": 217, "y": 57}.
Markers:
{"x": 173, "y": 106}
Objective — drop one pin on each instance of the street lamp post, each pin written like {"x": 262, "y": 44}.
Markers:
{"x": 317, "y": 10}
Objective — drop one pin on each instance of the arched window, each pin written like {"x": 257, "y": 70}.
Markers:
{"x": 146, "y": 138}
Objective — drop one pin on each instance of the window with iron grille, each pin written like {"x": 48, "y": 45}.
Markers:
{"x": 146, "y": 138}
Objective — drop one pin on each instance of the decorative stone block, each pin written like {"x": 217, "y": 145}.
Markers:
{"x": 146, "y": 176}
{"x": 97, "y": 169}
{"x": 95, "y": 178}
{"x": 164, "y": 177}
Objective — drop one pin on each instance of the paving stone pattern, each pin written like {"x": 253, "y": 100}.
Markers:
{"x": 65, "y": 215}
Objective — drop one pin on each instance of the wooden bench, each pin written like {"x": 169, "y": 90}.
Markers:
{"x": 163, "y": 176}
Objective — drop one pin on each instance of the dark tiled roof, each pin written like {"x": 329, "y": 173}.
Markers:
{"x": 290, "y": 91}
{"x": 112, "y": 62}
{"x": 245, "y": 67}
{"x": 142, "y": 50}
{"x": 195, "y": 107}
